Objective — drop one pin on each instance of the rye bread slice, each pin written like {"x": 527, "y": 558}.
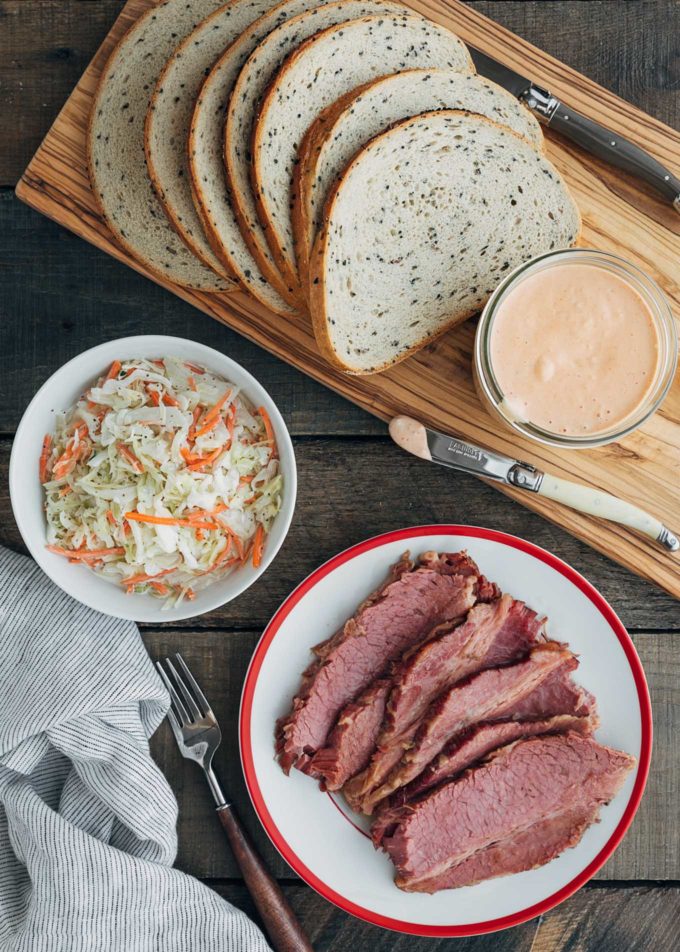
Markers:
{"x": 349, "y": 124}
{"x": 120, "y": 179}
{"x": 209, "y": 185}
{"x": 167, "y": 131}
{"x": 421, "y": 227}
{"x": 315, "y": 75}
{"x": 251, "y": 85}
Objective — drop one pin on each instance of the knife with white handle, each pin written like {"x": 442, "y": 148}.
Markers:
{"x": 435, "y": 447}
{"x": 589, "y": 135}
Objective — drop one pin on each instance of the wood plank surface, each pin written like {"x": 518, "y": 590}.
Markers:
{"x": 436, "y": 385}
{"x": 630, "y": 48}
{"x": 350, "y": 489}
{"x": 623, "y": 918}
{"x": 60, "y": 296}
{"x": 649, "y": 850}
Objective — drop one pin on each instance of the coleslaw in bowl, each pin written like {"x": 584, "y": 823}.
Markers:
{"x": 170, "y": 479}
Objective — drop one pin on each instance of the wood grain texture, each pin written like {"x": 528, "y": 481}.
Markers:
{"x": 618, "y": 919}
{"x": 649, "y": 850}
{"x": 342, "y": 502}
{"x": 436, "y": 385}
{"x": 61, "y": 296}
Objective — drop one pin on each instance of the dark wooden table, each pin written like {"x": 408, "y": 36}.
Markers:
{"x": 60, "y": 296}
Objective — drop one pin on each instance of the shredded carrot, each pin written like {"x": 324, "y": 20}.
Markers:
{"x": 143, "y": 577}
{"x": 155, "y": 397}
{"x": 207, "y": 427}
{"x": 192, "y": 384}
{"x": 45, "y": 458}
{"x": 191, "y": 436}
{"x": 220, "y": 507}
{"x": 213, "y": 413}
{"x": 158, "y": 363}
{"x": 126, "y": 528}
{"x": 86, "y": 554}
{"x": 128, "y": 455}
{"x": 187, "y": 456}
{"x": 271, "y": 439}
{"x": 200, "y": 535}
{"x": 190, "y": 594}
{"x": 206, "y": 460}
{"x": 114, "y": 370}
{"x": 196, "y": 369}
{"x": 169, "y": 400}
{"x": 246, "y": 479}
{"x": 193, "y": 523}
{"x": 64, "y": 465}
{"x": 66, "y": 490}
{"x": 239, "y": 545}
{"x": 110, "y": 516}
{"x": 258, "y": 545}
{"x": 159, "y": 587}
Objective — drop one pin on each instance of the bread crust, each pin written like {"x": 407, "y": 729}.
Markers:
{"x": 303, "y": 179}
{"x": 202, "y": 203}
{"x": 316, "y": 138}
{"x": 289, "y": 290}
{"x": 317, "y": 295}
{"x": 146, "y": 262}
{"x": 225, "y": 271}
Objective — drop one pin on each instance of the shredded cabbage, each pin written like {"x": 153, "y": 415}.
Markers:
{"x": 162, "y": 478}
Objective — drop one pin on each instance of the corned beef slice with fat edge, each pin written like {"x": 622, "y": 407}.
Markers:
{"x": 489, "y": 695}
{"x": 389, "y": 622}
{"x": 524, "y": 784}
{"x": 463, "y": 751}
{"x": 494, "y": 633}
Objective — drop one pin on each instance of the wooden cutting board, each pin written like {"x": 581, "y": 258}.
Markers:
{"x": 436, "y": 385}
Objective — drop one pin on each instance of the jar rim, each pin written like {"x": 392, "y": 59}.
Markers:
{"x": 663, "y": 318}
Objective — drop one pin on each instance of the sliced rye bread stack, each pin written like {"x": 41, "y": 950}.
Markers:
{"x": 120, "y": 179}
{"x": 252, "y": 83}
{"x": 210, "y": 188}
{"x": 421, "y": 227}
{"x": 327, "y": 66}
{"x": 167, "y": 132}
{"x": 351, "y": 122}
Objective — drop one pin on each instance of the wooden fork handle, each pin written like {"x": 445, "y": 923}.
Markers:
{"x": 283, "y": 928}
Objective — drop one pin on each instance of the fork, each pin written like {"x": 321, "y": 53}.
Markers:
{"x": 198, "y": 736}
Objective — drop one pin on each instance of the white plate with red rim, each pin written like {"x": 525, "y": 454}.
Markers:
{"x": 317, "y": 834}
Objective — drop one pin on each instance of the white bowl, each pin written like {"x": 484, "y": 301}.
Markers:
{"x": 59, "y": 393}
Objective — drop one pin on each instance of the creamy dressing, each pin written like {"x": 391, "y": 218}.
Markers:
{"x": 575, "y": 349}
{"x": 411, "y": 436}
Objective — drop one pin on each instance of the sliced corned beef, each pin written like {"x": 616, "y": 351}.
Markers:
{"x": 493, "y": 634}
{"x": 522, "y": 785}
{"x": 492, "y": 694}
{"x": 536, "y": 846}
{"x": 384, "y": 627}
{"x": 463, "y": 751}
{"x": 352, "y": 740}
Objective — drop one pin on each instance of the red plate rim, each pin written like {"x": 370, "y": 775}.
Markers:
{"x": 282, "y": 845}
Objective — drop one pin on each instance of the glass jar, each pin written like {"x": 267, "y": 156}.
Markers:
{"x": 487, "y": 385}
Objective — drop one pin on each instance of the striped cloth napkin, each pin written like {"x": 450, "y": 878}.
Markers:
{"x": 87, "y": 820}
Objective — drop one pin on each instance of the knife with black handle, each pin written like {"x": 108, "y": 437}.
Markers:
{"x": 590, "y": 135}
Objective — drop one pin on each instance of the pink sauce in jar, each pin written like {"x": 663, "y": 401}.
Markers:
{"x": 574, "y": 349}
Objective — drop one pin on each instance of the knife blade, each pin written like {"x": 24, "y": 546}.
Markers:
{"x": 589, "y": 135}
{"x": 449, "y": 451}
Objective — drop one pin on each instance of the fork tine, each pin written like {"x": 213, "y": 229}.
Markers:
{"x": 181, "y": 712}
{"x": 176, "y": 727}
{"x": 191, "y": 704}
{"x": 200, "y": 696}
